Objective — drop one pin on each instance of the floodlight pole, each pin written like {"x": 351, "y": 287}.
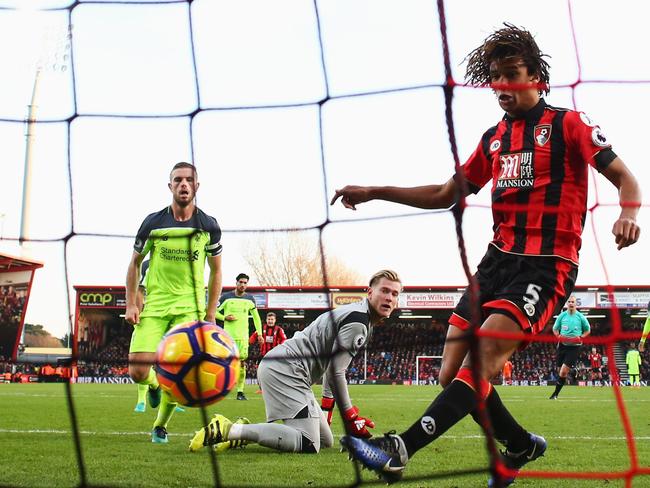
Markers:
{"x": 27, "y": 177}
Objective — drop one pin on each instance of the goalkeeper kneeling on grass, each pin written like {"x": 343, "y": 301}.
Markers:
{"x": 324, "y": 349}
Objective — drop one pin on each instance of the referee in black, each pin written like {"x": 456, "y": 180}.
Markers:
{"x": 570, "y": 328}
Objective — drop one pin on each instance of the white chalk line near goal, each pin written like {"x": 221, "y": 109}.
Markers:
{"x": 188, "y": 434}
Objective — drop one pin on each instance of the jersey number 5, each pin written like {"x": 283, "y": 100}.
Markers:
{"x": 532, "y": 294}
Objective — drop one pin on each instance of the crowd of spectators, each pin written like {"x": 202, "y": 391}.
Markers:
{"x": 101, "y": 369}
{"x": 394, "y": 347}
{"x": 390, "y": 356}
{"x": 13, "y": 372}
{"x": 12, "y": 303}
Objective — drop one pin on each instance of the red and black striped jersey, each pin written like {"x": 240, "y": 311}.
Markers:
{"x": 596, "y": 360}
{"x": 538, "y": 167}
{"x": 272, "y": 336}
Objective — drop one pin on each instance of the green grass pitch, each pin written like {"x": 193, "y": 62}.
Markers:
{"x": 583, "y": 429}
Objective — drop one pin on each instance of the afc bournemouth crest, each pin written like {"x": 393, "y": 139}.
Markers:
{"x": 542, "y": 134}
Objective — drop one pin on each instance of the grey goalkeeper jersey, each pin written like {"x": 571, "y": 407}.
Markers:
{"x": 341, "y": 332}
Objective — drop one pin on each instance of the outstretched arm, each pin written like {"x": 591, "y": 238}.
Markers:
{"x": 644, "y": 334}
{"x": 626, "y": 231}
{"x": 429, "y": 197}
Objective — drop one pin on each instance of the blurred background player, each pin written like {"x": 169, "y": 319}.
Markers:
{"x": 179, "y": 238}
{"x": 570, "y": 328}
{"x": 646, "y": 331}
{"x": 141, "y": 405}
{"x": 272, "y": 335}
{"x": 507, "y": 373}
{"x": 633, "y": 361}
{"x": 324, "y": 349}
{"x": 532, "y": 157}
{"x": 596, "y": 363}
{"x": 234, "y": 309}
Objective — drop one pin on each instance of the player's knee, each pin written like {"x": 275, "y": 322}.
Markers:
{"x": 492, "y": 358}
{"x": 446, "y": 376}
{"x": 138, "y": 373}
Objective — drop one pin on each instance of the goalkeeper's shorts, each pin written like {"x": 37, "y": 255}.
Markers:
{"x": 286, "y": 387}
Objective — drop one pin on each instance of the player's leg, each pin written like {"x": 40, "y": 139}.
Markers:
{"x": 388, "y": 455}
{"x": 167, "y": 405}
{"x": 457, "y": 341}
{"x": 326, "y": 436}
{"x": 457, "y": 344}
{"x": 502, "y": 423}
{"x": 142, "y": 354}
{"x": 456, "y": 349}
{"x": 459, "y": 398}
{"x": 241, "y": 380}
{"x": 286, "y": 396}
{"x": 559, "y": 361}
{"x": 141, "y": 406}
{"x": 453, "y": 354}
{"x": 569, "y": 357}
{"x": 302, "y": 433}
{"x": 296, "y": 435}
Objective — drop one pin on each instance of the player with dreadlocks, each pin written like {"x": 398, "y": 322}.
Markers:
{"x": 537, "y": 159}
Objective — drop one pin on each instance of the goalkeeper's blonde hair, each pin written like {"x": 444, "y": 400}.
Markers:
{"x": 390, "y": 275}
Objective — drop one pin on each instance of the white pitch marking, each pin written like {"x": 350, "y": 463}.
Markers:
{"x": 88, "y": 432}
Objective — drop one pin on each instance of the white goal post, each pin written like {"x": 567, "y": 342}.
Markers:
{"x": 417, "y": 366}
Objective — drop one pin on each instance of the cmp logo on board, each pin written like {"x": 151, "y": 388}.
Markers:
{"x": 90, "y": 299}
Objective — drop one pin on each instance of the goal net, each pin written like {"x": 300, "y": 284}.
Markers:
{"x": 279, "y": 103}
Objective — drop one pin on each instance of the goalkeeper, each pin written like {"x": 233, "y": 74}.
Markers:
{"x": 325, "y": 347}
{"x": 646, "y": 331}
{"x": 234, "y": 309}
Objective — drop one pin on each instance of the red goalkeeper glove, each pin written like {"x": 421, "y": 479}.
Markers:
{"x": 327, "y": 405}
{"x": 356, "y": 425}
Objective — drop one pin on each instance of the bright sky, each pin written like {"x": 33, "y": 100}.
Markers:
{"x": 276, "y": 167}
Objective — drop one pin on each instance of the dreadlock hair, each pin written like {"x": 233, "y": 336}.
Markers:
{"x": 509, "y": 41}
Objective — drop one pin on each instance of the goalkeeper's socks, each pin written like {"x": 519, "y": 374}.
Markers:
{"x": 165, "y": 411}
{"x": 242, "y": 379}
{"x": 455, "y": 401}
{"x": 506, "y": 429}
{"x": 142, "y": 393}
{"x": 558, "y": 386}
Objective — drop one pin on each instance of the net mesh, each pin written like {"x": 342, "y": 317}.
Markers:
{"x": 206, "y": 120}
